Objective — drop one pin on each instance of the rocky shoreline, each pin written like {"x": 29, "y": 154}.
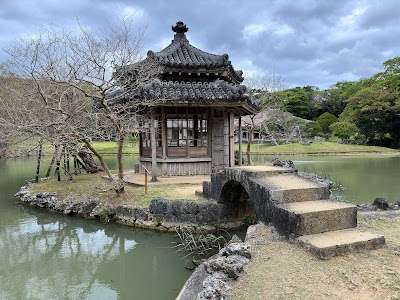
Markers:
{"x": 162, "y": 214}
{"x": 214, "y": 278}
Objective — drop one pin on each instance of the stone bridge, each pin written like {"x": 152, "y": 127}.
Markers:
{"x": 297, "y": 207}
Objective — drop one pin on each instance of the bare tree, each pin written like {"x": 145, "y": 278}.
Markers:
{"x": 78, "y": 80}
{"x": 265, "y": 88}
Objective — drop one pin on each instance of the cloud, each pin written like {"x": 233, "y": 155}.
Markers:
{"x": 310, "y": 42}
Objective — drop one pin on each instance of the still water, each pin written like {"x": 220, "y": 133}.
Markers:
{"x": 51, "y": 256}
{"x": 363, "y": 177}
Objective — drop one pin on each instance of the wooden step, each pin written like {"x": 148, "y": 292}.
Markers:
{"x": 311, "y": 217}
{"x": 328, "y": 244}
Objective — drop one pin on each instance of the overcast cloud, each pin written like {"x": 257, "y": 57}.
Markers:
{"x": 309, "y": 42}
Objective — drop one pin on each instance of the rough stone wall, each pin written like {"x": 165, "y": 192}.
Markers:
{"x": 162, "y": 214}
{"x": 215, "y": 277}
{"x": 259, "y": 194}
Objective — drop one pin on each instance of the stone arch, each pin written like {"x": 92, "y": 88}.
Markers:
{"x": 237, "y": 201}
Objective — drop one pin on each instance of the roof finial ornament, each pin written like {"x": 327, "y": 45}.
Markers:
{"x": 180, "y": 27}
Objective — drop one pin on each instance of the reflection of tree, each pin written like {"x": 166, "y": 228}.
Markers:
{"x": 64, "y": 247}
{"x": 51, "y": 257}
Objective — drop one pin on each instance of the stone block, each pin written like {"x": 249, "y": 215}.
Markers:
{"x": 160, "y": 206}
{"x": 300, "y": 194}
{"x": 310, "y": 217}
{"x": 328, "y": 244}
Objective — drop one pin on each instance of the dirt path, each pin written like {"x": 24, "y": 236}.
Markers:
{"x": 280, "y": 270}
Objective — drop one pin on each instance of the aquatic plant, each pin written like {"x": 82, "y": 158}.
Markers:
{"x": 197, "y": 243}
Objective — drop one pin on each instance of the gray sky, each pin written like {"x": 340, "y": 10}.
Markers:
{"x": 309, "y": 42}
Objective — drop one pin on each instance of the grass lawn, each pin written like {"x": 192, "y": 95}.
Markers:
{"x": 111, "y": 147}
{"x": 95, "y": 187}
{"x": 281, "y": 270}
{"x": 329, "y": 147}
{"x": 317, "y": 147}
{"x": 294, "y": 148}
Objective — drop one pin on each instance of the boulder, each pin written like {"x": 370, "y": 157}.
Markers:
{"x": 216, "y": 287}
{"x": 381, "y": 203}
{"x": 231, "y": 265}
{"x": 241, "y": 249}
{"x": 283, "y": 163}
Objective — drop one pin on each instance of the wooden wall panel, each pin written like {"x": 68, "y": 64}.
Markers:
{"x": 179, "y": 168}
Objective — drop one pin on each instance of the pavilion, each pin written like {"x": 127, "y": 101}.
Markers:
{"x": 193, "y": 101}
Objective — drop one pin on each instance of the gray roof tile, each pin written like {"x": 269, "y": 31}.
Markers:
{"x": 217, "y": 92}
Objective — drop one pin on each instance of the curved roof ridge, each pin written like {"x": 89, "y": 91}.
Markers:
{"x": 180, "y": 51}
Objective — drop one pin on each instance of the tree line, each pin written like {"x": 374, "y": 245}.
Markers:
{"x": 367, "y": 109}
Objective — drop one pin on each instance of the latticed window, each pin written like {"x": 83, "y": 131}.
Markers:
{"x": 184, "y": 128}
{"x": 190, "y": 131}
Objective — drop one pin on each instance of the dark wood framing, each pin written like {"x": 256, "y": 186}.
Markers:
{"x": 189, "y": 140}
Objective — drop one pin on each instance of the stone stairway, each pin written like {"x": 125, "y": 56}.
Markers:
{"x": 302, "y": 211}
{"x": 297, "y": 207}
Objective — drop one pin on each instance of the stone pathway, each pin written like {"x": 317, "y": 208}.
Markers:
{"x": 301, "y": 208}
{"x": 302, "y": 211}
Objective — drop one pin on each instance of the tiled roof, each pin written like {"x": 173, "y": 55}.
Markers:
{"x": 216, "y": 92}
{"x": 181, "y": 54}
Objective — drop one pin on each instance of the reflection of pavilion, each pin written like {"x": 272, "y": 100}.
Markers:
{"x": 194, "y": 100}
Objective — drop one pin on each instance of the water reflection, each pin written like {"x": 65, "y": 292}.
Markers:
{"x": 52, "y": 256}
{"x": 48, "y": 258}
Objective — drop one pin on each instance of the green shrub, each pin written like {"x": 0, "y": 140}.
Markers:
{"x": 343, "y": 130}
{"x": 325, "y": 120}
{"x": 312, "y": 129}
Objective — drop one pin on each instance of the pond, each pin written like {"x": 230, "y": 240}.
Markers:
{"x": 52, "y": 256}
{"x": 364, "y": 177}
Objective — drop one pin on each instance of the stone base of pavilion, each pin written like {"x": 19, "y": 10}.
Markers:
{"x": 131, "y": 177}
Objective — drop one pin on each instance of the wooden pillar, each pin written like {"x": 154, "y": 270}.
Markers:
{"x": 210, "y": 117}
{"x": 226, "y": 139}
{"x": 240, "y": 140}
{"x": 153, "y": 146}
{"x": 164, "y": 133}
{"x": 231, "y": 141}
{"x": 140, "y": 143}
{"x": 187, "y": 133}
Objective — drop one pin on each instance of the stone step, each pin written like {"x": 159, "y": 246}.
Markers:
{"x": 311, "y": 217}
{"x": 259, "y": 171}
{"x": 293, "y": 188}
{"x": 328, "y": 244}
{"x": 299, "y": 195}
